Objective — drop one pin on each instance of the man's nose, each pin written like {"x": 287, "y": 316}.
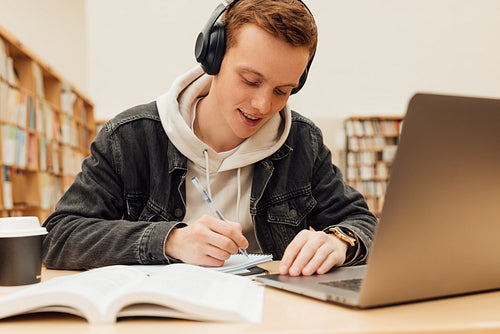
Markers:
{"x": 262, "y": 100}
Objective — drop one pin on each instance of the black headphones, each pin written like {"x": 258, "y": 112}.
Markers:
{"x": 211, "y": 44}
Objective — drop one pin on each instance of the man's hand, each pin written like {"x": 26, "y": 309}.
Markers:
{"x": 207, "y": 242}
{"x": 312, "y": 252}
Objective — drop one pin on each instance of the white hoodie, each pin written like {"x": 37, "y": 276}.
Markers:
{"x": 229, "y": 177}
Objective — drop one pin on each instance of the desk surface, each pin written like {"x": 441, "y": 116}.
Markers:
{"x": 285, "y": 312}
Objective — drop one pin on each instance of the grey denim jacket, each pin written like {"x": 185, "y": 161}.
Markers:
{"x": 131, "y": 193}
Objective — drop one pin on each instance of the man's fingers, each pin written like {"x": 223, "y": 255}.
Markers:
{"x": 224, "y": 244}
{"x": 220, "y": 255}
{"x": 207, "y": 241}
{"x": 322, "y": 261}
{"x": 292, "y": 251}
{"x": 312, "y": 252}
{"x": 332, "y": 260}
{"x": 229, "y": 230}
{"x": 308, "y": 253}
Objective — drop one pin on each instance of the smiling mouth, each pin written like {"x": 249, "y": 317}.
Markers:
{"x": 252, "y": 118}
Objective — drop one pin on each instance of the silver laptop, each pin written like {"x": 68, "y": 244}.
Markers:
{"x": 439, "y": 231}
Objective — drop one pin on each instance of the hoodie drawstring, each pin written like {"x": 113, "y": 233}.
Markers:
{"x": 238, "y": 199}
{"x": 207, "y": 179}
{"x": 207, "y": 172}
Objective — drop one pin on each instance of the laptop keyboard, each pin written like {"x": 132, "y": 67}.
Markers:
{"x": 349, "y": 284}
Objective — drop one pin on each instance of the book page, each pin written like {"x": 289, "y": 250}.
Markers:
{"x": 153, "y": 310}
{"x": 198, "y": 293}
{"x": 85, "y": 294}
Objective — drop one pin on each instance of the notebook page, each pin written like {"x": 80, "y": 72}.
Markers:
{"x": 237, "y": 262}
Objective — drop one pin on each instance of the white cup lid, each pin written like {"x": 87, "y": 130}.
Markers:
{"x": 20, "y": 227}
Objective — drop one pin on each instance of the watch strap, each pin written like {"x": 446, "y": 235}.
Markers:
{"x": 344, "y": 235}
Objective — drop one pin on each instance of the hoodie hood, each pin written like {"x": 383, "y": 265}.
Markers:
{"x": 176, "y": 113}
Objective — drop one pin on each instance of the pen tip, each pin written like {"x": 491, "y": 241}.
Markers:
{"x": 244, "y": 252}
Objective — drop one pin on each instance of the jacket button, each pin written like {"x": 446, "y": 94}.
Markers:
{"x": 293, "y": 213}
{"x": 178, "y": 212}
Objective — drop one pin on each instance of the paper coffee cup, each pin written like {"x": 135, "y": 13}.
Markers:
{"x": 20, "y": 250}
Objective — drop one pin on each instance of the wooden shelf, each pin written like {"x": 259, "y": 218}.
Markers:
{"x": 46, "y": 126}
{"x": 371, "y": 144}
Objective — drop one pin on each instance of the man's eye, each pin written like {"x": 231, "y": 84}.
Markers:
{"x": 251, "y": 83}
{"x": 279, "y": 91}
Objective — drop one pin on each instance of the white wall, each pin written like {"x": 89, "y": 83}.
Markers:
{"x": 54, "y": 30}
{"x": 372, "y": 55}
{"x": 376, "y": 54}
{"x": 136, "y": 48}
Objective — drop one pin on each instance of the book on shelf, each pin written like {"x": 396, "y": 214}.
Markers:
{"x": 54, "y": 157}
{"x": 105, "y": 294}
{"x": 4, "y": 93}
{"x": 65, "y": 129}
{"x": 8, "y": 202}
{"x": 31, "y": 113}
{"x": 368, "y": 128}
{"x": 37, "y": 73}
{"x": 39, "y": 117}
{"x": 21, "y": 145}
{"x": 48, "y": 189}
{"x": 390, "y": 127}
{"x": 9, "y": 144}
{"x": 3, "y": 59}
{"x": 32, "y": 152}
{"x": 68, "y": 98}
{"x": 7, "y": 71}
{"x": 42, "y": 154}
{"x": 10, "y": 113}
{"x": 22, "y": 110}
{"x": 389, "y": 152}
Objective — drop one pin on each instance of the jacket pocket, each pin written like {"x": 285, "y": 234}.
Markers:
{"x": 140, "y": 208}
{"x": 135, "y": 205}
{"x": 286, "y": 217}
{"x": 291, "y": 208}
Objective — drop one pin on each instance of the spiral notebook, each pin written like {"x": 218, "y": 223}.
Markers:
{"x": 236, "y": 264}
{"x": 239, "y": 263}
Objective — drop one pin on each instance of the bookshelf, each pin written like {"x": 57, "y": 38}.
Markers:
{"x": 370, "y": 149}
{"x": 46, "y": 126}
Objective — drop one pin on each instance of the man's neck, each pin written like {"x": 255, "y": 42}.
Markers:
{"x": 209, "y": 129}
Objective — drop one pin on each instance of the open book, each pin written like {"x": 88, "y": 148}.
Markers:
{"x": 178, "y": 291}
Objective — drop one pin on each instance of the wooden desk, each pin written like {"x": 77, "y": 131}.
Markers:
{"x": 289, "y": 313}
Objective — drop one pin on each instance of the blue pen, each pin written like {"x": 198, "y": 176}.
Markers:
{"x": 207, "y": 198}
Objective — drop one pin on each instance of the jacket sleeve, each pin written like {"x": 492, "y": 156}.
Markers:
{"x": 341, "y": 204}
{"x": 87, "y": 229}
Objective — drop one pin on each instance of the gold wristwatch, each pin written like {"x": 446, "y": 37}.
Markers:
{"x": 343, "y": 235}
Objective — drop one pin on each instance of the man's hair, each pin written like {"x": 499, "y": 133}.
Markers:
{"x": 288, "y": 20}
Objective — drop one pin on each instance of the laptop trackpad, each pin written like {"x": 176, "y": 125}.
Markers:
{"x": 336, "y": 285}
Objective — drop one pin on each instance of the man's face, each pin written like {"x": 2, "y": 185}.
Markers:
{"x": 256, "y": 78}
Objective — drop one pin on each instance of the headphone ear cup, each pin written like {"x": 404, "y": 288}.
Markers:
{"x": 215, "y": 50}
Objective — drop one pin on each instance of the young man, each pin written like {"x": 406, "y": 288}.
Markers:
{"x": 265, "y": 166}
